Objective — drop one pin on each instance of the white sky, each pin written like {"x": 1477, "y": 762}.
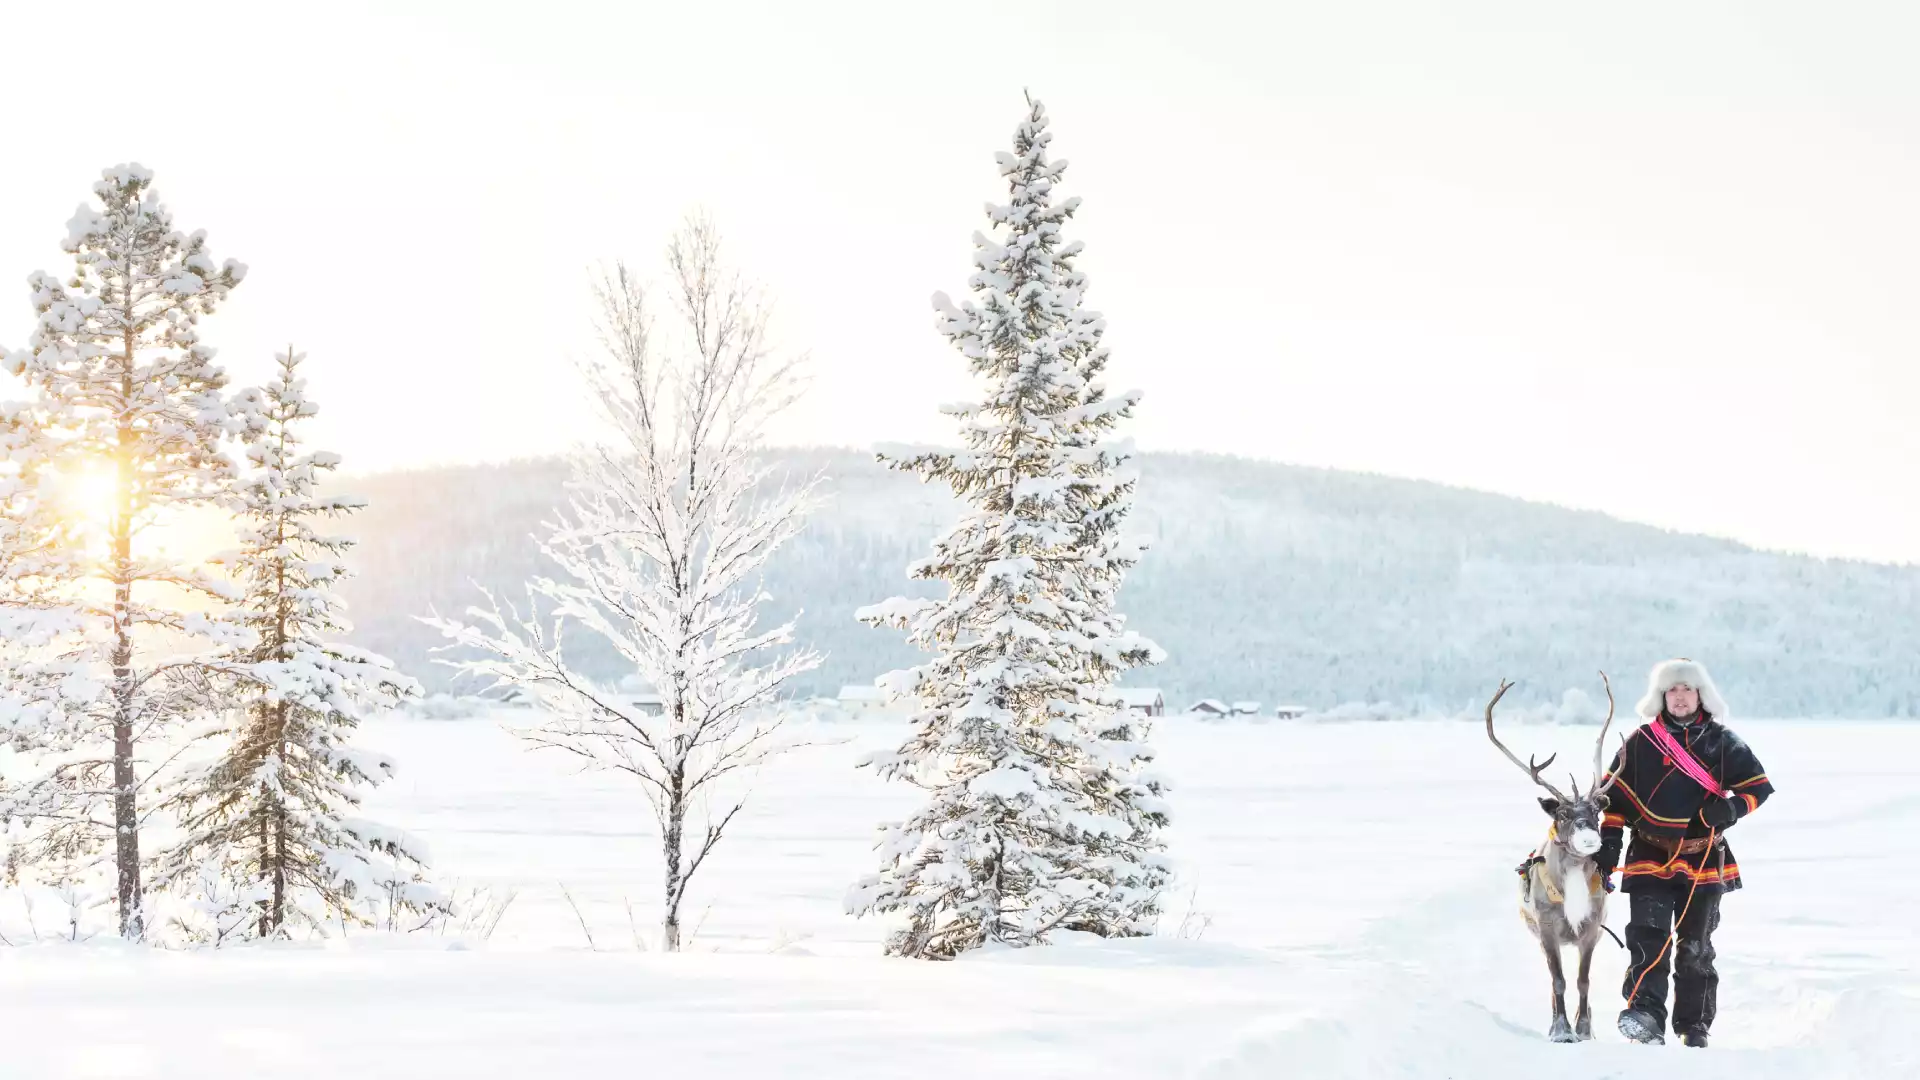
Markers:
{"x": 1655, "y": 259}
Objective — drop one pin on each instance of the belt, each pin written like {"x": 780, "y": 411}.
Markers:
{"x": 1691, "y": 846}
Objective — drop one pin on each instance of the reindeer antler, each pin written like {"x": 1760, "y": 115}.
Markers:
{"x": 1601, "y": 780}
{"x": 1530, "y": 768}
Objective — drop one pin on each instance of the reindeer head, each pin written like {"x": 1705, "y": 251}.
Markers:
{"x": 1576, "y": 819}
{"x": 1576, "y": 822}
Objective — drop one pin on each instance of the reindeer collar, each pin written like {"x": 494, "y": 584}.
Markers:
{"x": 1539, "y": 868}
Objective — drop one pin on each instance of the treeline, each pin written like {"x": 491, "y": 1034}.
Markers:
{"x": 1262, "y": 581}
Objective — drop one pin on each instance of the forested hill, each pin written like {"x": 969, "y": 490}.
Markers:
{"x": 1264, "y": 581}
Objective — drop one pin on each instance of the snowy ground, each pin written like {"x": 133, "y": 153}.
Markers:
{"x": 1348, "y": 911}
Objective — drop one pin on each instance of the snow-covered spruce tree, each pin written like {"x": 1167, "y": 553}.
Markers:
{"x": 1043, "y": 811}
{"x": 668, "y": 528}
{"x": 270, "y": 820}
{"x": 127, "y": 395}
{"x": 40, "y": 677}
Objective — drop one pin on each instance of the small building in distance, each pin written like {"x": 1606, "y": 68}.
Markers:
{"x": 1143, "y": 701}
{"x": 507, "y": 695}
{"x": 861, "y": 699}
{"x": 1210, "y": 708}
{"x": 1290, "y": 712}
{"x": 1246, "y": 708}
{"x": 636, "y": 694}
{"x": 645, "y": 701}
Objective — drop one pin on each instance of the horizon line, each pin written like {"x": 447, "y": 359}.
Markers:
{"x": 557, "y": 457}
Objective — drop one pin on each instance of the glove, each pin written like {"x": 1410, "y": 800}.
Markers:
{"x": 1719, "y": 813}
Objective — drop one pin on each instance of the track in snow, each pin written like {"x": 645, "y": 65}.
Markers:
{"x": 1358, "y": 881}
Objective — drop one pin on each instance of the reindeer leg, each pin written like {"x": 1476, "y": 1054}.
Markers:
{"x": 1560, "y": 1031}
{"x": 1583, "y": 1020}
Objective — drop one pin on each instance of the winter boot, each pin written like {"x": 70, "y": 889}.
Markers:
{"x": 1641, "y": 1028}
{"x": 1695, "y": 1038}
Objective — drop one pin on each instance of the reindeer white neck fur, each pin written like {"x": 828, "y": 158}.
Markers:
{"x": 1571, "y": 874}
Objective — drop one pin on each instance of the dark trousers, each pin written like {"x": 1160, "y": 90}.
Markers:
{"x": 1656, "y": 906}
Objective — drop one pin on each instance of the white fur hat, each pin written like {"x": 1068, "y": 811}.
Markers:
{"x": 1671, "y": 673}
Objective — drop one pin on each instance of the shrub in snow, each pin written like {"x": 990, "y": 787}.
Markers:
{"x": 1353, "y": 711}
{"x": 668, "y": 528}
{"x": 445, "y": 706}
{"x": 1578, "y": 707}
{"x": 124, "y": 427}
{"x": 1042, "y": 811}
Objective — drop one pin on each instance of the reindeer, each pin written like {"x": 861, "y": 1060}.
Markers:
{"x": 1563, "y": 902}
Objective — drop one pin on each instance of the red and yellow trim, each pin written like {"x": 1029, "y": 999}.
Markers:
{"x": 1761, "y": 779}
{"x": 1752, "y": 803}
{"x": 1656, "y": 819}
{"x": 1704, "y": 875}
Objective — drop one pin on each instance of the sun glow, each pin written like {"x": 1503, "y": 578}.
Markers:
{"x": 89, "y": 494}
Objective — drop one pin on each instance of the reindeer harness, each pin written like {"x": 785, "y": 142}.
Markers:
{"x": 1535, "y": 869}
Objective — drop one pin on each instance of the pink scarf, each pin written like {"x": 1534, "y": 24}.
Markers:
{"x": 1684, "y": 759}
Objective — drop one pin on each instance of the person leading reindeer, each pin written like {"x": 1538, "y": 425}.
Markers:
{"x": 1679, "y": 782}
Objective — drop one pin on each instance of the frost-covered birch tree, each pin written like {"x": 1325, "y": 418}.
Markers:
{"x": 271, "y": 842}
{"x": 1043, "y": 811}
{"x": 129, "y": 411}
{"x": 660, "y": 552}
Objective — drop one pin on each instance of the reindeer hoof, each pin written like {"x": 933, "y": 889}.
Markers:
{"x": 1561, "y": 1033}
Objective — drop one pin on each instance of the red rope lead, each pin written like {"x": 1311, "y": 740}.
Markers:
{"x": 1667, "y": 944}
{"x": 1684, "y": 759}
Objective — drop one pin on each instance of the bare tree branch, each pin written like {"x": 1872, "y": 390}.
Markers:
{"x": 660, "y": 549}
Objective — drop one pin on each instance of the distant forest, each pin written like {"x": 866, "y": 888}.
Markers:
{"x": 1262, "y": 581}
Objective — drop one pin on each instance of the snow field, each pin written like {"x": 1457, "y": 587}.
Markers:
{"x": 1350, "y": 886}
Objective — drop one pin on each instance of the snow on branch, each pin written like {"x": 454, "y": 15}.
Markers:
{"x": 1043, "y": 811}
{"x": 660, "y": 552}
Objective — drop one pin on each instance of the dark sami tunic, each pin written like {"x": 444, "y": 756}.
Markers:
{"x": 1653, "y": 797}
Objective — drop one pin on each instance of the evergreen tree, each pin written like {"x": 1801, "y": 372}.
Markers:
{"x": 127, "y": 395}
{"x": 268, "y": 827}
{"x": 1043, "y": 812}
{"x": 36, "y": 632}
